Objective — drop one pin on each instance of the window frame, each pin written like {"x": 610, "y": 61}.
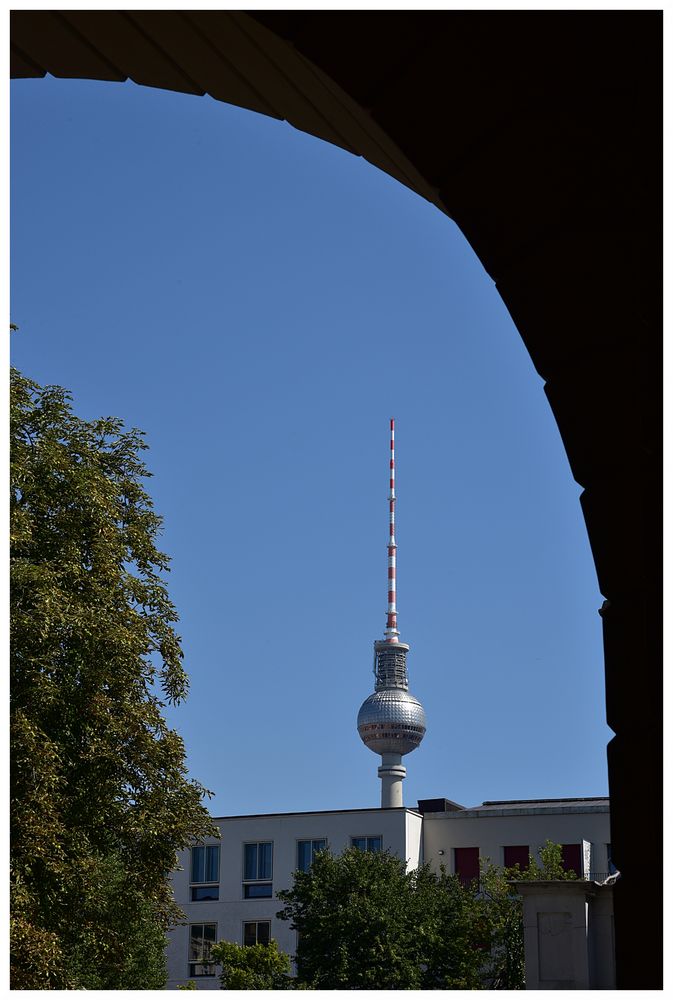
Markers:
{"x": 507, "y": 847}
{"x": 465, "y": 879}
{"x": 255, "y": 923}
{"x": 214, "y": 897}
{"x": 314, "y": 851}
{"x": 367, "y": 838}
{"x": 204, "y": 881}
{"x": 194, "y": 884}
{"x": 565, "y": 862}
{"x": 249, "y": 883}
{"x": 192, "y": 964}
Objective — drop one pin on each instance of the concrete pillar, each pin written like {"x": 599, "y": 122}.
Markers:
{"x": 392, "y": 773}
{"x": 568, "y": 937}
{"x": 602, "y": 971}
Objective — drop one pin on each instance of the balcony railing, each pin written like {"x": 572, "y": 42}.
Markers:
{"x": 599, "y": 876}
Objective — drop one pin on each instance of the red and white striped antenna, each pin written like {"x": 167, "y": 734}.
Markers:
{"x": 391, "y": 632}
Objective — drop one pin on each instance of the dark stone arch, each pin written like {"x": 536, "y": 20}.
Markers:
{"x": 540, "y": 134}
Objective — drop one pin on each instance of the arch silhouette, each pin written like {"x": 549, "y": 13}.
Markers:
{"x": 539, "y": 134}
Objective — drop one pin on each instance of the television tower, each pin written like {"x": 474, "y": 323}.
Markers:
{"x": 391, "y": 722}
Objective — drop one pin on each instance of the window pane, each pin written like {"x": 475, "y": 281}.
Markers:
{"x": 249, "y": 934}
{"x": 201, "y": 939}
{"x": 263, "y": 932}
{"x": 318, "y": 845}
{"x": 374, "y": 843}
{"x": 202, "y": 892}
{"x": 201, "y": 970}
{"x": 571, "y": 858}
{"x": 516, "y": 855}
{"x": 197, "y": 864}
{"x": 304, "y": 855}
{"x": 195, "y": 941}
{"x": 265, "y": 861}
{"x": 466, "y": 861}
{"x": 212, "y": 872}
{"x": 250, "y": 868}
{"x": 257, "y": 890}
{"x": 209, "y": 937}
{"x": 360, "y": 843}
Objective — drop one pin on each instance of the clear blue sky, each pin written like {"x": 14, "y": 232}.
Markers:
{"x": 261, "y": 303}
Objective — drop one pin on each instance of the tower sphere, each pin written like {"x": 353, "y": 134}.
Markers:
{"x": 391, "y": 721}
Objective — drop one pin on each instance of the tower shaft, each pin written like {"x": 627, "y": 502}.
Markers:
{"x": 392, "y": 773}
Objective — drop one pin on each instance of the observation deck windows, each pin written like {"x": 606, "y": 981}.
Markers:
{"x": 391, "y": 669}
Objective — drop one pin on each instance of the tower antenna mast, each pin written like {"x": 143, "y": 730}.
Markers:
{"x": 391, "y": 633}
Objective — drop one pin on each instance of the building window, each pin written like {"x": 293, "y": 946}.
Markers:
{"x": 257, "y": 870}
{"x": 571, "y": 859}
{"x": 203, "y": 893}
{"x": 367, "y": 843}
{"x": 202, "y": 937}
{"x": 466, "y": 864}
{"x": 257, "y": 932}
{"x": 257, "y": 890}
{"x": 205, "y": 868}
{"x": 516, "y": 855}
{"x": 206, "y": 863}
{"x": 306, "y": 851}
{"x": 612, "y": 867}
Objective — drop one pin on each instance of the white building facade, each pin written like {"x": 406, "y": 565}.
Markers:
{"x": 228, "y": 888}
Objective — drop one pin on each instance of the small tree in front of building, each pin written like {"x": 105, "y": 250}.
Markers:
{"x": 252, "y": 967}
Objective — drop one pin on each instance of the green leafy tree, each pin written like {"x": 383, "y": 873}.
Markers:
{"x": 502, "y": 924}
{"x": 100, "y": 800}
{"x": 452, "y": 934}
{"x": 252, "y": 967}
{"x": 364, "y": 922}
{"x": 550, "y": 867}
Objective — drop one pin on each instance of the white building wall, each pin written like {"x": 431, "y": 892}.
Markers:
{"x": 492, "y": 830}
{"x": 399, "y": 828}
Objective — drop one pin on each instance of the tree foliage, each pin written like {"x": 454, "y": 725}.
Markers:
{"x": 364, "y": 922}
{"x": 100, "y": 801}
{"x": 252, "y": 967}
